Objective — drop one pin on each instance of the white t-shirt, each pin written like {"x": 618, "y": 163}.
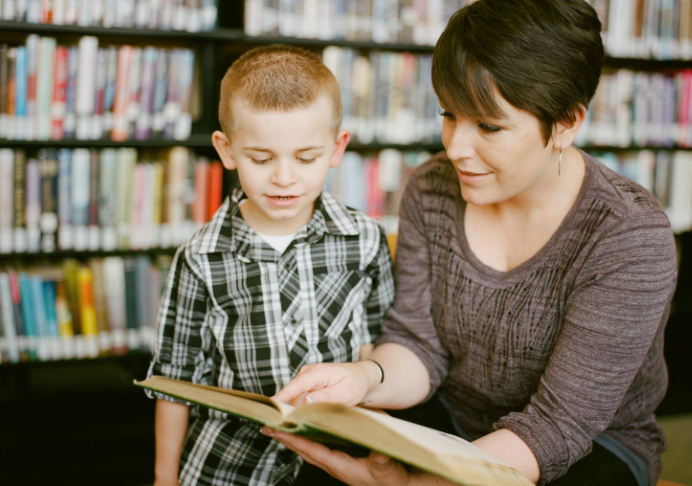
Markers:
{"x": 279, "y": 243}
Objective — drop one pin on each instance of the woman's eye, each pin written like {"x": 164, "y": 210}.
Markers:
{"x": 489, "y": 128}
{"x": 445, "y": 113}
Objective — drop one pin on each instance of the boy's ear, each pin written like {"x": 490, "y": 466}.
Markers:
{"x": 223, "y": 148}
{"x": 342, "y": 139}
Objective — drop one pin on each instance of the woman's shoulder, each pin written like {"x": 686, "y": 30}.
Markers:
{"x": 618, "y": 196}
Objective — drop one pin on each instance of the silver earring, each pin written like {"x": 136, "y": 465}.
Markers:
{"x": 559, "y": 164}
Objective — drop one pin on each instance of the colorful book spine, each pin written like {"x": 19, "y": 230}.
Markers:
{"x": 11, "y": 120}
{"x": 53, "y": 330}
{"x": 20, "y": 93}
{"x": 64, "y": 318}
{"x": 86, "y": 86}
{"x": 215, "y": 188}
{"x": 45, "y": 82}
{"x": 59, "y": 94}
{"x": 108, "y": 171}
{"x": 70, "y": 123}
{"x": 94, "y": 229}
{"x": 48, "y": 223}
{"x": 86, "y": 304}
{"x": 29, "y": 316}
{"x": 32, "y": 56}
{"x": 32, "y": 208}
{"x": 6, "y": 200}
{"x": 11, "y": 343}
{"x": 80, "y": 197}
{"x": 146, "y": 95}
{"x": 65, "y": 228}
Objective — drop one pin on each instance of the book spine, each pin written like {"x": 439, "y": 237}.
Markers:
{"x": 64, "y": 318}
{"x": 94, "y": 229}
{"x": 70, "y": 270}
{"x": 49, "y": 199}
{"x": 55, "y": 345}
{"x": 125, "y": 161}
{"x": 114, "y": 279}
{"x": 32, "y": 46}
{"x": 33, "y": 11}
{"x": 119, "y": 130}
{"x": 11, "y": 120}
{"x": 107, "y": 199}
{"x": 4, "y": 78}
{"x": 20, "y": 93}
{"x": 100, "y": 306}
{"x": 172, "y": 108}
{"x": 32, "y": 206}
{"x": 59, "y": 94}
{"x": 146, "y": 98}
{"x": 157, "y": 204}
{"x": 43, "y": 348}
{"x": 86, "y": 85}
{"x": 9, "y": 328}
{"x": 158, "y": 120}
{"x": 200, "y": 206}
{"x": 215, "y": 188}
{"x": 19, "y": 194}
{"x": 58, "y": 12}
{"x": 70, "y": 122}
{"x": 46, "y": 11}
{"x": 80, "y": 184}
{"x": 137, "y": 216}
{"x": 6, "y": 200}
{"x": 71, "y": 12}
{"x": 65, "y": 228}
{"x": 22, "y": 342}
{"x": 44, "y": 97}
{"x": 109, "y": 89}
{"x": 86, "y": 304}
{"x": 99, "y": 92}
{"x": 132, "y": 318}
{"x": 183, "y": 123}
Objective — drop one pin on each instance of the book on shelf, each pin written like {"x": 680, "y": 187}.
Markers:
{"x": 102, "y": 200}
{"x": 80, "y": 309}
{"x": 382, "y": 21}
{"x": 84, "y": 91}
{"x": 354, "y": 429}
{"x": 190, "y": 16}
{"x": 386, "y": 96}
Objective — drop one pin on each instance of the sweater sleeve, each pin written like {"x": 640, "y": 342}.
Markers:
{"x": 611, "y": 316}
{"x": 409, "y": 321}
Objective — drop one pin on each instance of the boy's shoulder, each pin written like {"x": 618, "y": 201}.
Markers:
{"x": 341, "y": 219}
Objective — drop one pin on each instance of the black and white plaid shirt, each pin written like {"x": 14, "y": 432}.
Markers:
{"x": 239, "y": 315}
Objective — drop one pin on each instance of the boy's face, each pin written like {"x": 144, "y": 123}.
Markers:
{"x": 282, "y": 159}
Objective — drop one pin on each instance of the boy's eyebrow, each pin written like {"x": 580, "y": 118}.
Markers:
{"x": 305, "y": 149}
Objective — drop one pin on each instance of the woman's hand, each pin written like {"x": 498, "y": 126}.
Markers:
{"x": 375, "y": 470}
{"x": 346, "y": 383}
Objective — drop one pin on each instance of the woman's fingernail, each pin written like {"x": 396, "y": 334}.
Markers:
{"x": 308, "y": 399}
{"x": 267, "y": 431}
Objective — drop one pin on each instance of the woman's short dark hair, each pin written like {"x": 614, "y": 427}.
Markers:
{"x": 543, "y": 56}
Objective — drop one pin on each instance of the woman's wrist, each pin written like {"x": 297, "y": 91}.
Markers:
{"x": 375, "y": 373}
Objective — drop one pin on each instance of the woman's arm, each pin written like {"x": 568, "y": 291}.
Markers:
{"x": 170, "y": 426}
{"x": 406, "y": 381}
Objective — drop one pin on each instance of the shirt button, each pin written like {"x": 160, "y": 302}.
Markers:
{"x": 294, "y": 321}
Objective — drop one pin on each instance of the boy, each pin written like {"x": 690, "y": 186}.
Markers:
{"x": 282, "y": 276}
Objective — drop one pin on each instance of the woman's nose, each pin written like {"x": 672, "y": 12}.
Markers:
{"x": 458, "y": 141}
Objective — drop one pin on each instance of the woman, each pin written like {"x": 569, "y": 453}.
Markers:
{"x": 533, "y": 284}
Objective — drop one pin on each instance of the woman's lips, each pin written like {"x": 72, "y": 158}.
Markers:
{"x": 468, "y": 177}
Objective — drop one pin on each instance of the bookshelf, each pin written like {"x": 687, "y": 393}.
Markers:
{"x": 87, "y": 400}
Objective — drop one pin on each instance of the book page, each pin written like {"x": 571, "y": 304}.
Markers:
{"x": 252, "y": 406}
{"x": 442, "y": 454}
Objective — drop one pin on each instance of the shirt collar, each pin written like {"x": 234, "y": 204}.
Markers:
{"x": 234, "y": 235}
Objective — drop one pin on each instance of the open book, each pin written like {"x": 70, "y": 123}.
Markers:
{"x": 354, "y": 428}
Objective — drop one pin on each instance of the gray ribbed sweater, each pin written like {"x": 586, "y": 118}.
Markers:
{"x": 565, "y": 346}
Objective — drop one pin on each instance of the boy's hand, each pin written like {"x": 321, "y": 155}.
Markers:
{"x": 346, "y": 383}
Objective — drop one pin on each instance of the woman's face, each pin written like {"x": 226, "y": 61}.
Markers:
{"x": 501, "y": 159}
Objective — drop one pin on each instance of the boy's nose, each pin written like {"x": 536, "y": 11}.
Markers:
{"x": 283, "y": 174}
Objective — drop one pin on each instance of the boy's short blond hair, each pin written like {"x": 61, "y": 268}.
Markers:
{"x": 278, "y": 78}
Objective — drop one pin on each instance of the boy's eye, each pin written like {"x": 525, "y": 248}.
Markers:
{"x": 488, "y": 128}
{"x": 260, "y": 161}
{"x": 307, "y": 160}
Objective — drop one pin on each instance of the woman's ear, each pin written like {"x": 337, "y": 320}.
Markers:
{"x": 223, "y": 148}
{"x": 566, "y": 131}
